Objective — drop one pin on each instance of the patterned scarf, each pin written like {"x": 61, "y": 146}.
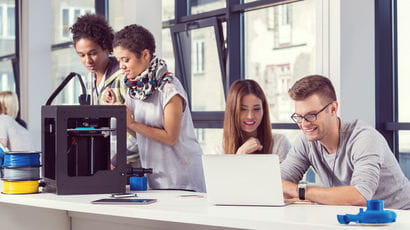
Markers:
{"x": 153, "y": 78}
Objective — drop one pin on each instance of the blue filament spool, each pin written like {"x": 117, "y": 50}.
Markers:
{"x": 21, "y": 159}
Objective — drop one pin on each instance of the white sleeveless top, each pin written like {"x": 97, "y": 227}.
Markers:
{"x": 174, "y": 167}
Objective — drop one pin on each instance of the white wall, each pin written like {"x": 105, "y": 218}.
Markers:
{"x": 147, "y": 14}
{"x": 35, "y": 59}
{"x": 351, "y": 57}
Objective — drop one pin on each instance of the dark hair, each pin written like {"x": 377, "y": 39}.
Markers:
{"x": 233, "y": 136}
{"x": 313, "y": 84}
{"x": 95, "y": 28}
{"x": 135, "y": 38}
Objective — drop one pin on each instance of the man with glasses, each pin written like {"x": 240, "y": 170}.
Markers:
{"x": 352, "y": 159}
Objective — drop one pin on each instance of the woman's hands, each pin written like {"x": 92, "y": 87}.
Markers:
{"x": 250, "y": 146}
{"x": 109, "y": 96}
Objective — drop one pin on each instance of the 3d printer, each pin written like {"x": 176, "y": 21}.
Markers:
{"x": 78, "y": 143}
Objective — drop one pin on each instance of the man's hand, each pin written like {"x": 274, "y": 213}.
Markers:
{"x": 290, "y": 190}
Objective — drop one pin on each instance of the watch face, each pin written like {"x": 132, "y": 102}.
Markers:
{"x": 301, "y": 189}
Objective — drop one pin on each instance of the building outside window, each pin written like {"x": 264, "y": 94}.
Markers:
{"x": 198, "y": 56}
{"x": 64, "y": 58}
{"x": 7, "y": 44}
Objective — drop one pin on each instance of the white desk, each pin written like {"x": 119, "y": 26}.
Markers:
{"x": 49, "y": 211}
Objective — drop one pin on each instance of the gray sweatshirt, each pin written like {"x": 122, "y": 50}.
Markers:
{"x": 363, "y": 160}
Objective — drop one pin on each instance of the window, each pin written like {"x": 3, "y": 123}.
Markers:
{"x": 64, "y": 57}
{"x": 8, "y": 56}
{"x": 392, "y": 71}
{"x": 7, "y": 18}
{"x": 201, "y": 6}
{"x": 198, "y": 56}
{"x": 68, "y": 18}
{"x": 65, "y": 13}
{"x": 268, "y": 41}
{"x": 276, "y": 69}
{"x": 6, "y": 76}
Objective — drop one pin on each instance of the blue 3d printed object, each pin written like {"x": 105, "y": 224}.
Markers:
{"x": 375, "y": 214}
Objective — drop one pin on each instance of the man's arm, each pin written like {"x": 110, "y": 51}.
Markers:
{"x": 340, "y": 195}
{"x": 296, "y": 163}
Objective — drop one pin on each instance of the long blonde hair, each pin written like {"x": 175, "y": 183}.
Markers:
{"x": 9, "y": 103}
{"x": 233, "y": 136}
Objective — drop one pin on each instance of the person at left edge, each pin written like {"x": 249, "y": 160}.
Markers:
{"x": 10, "y": 106}
{"x": 92, "y": 37}
{"x": 158, "y": 114}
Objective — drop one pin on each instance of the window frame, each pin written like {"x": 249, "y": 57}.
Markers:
{"x": 15, "y": 56}
{"x": 233, "y": 50}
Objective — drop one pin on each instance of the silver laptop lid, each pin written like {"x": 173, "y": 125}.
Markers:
{"x": 243, "y": 179}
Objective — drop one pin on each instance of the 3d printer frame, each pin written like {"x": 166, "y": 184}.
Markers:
{"x": 77, "y": 147}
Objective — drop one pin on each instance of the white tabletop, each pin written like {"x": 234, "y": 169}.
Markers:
{"x": 172, "y": 207}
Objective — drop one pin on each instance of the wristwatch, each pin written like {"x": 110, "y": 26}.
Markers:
{"x": 302, "y": 185}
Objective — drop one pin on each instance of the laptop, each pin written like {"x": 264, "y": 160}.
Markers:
{"x": 243, "y": 179}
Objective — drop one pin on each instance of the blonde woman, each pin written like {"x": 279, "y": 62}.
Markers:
{"x": 10, "y": 106}
{"x": 12, "y": 135}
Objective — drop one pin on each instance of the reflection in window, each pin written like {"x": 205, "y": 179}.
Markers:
{"x": 167, "y": 50}
{"x": 168, "y": 10}
{"x": 274, "y": 57}
{"x": 198, "y": 56}
{"x": 7, "y": 21}
{"x": 69, "y": 16}
{"x": 65, "y": 61}
{"x": 210, "y": 140}
{"x": 282, "y": 31}
{"x": 65, "y": 13}
{"x": 10, "y": 22}
{"x": 1, "y": 24}
{"x": 201, "y": 6}
{"x": 6, "y": 76}
{"x": 206, "y": 62}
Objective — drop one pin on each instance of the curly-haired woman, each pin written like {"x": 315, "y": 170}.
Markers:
{"x": 93, "y": 38}
{"x": 158, "y": 114}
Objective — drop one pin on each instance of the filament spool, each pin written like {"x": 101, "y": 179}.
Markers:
{"x": 20, "y": 187}
{"x": 21, "y": 173}
{"x": 21, "y": 159}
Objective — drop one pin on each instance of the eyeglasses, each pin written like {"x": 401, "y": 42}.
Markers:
{"x": 308, "y": 117}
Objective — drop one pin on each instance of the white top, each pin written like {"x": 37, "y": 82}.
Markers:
{"x": 280, "y": 146}
{"x": 18, "y": 138}
{"x": 176, "y": 167}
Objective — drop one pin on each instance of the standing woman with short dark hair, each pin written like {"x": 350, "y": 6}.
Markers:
{"x": 247, "y": 127}
{"x": 158, "y": 114}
